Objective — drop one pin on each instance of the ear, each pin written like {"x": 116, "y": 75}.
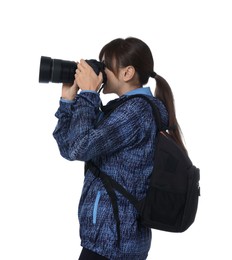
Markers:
{"x": 128, "y": 73}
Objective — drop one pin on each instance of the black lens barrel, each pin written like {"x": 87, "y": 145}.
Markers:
{"x": 63, "y": 71}
{"x": 45, "y": 69}
{"x": 56, "y": 71}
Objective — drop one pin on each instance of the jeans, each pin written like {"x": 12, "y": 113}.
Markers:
{"x": 89, "y": 255}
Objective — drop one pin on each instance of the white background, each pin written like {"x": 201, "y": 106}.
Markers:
{"x": 39, "y": 190}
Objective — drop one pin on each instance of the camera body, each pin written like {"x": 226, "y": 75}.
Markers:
{"x": 63, "y": 71}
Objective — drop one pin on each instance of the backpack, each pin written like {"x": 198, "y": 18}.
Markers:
{"x": 171, "y": 200}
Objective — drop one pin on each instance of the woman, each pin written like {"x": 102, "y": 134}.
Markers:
{"x": 120, "y": 145}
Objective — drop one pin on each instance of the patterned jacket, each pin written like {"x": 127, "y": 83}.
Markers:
{"x": 122, "y": 145}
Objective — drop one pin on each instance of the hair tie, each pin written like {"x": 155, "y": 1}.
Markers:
{"x": 153, "y": 74}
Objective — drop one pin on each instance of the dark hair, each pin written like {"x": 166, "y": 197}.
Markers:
{"x": 120, "y": 53}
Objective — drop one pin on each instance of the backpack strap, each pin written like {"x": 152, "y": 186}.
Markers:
{"x": 111, "y": 185}
{"x": 109, "y": 108}
{"x": 99, "y": 174}
{"x": 111, "y": 193}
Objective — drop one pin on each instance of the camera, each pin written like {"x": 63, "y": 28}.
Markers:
{"x": 63, "y": 71}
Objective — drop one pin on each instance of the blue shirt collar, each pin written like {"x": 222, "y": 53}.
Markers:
{"x": 144, "y": 91}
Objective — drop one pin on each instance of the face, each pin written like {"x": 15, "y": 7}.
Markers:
{"x": 121, "y": 82}
{"x": 114, "y": 84}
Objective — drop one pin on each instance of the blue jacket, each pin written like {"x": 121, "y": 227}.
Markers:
{"x": 122, "y": 146}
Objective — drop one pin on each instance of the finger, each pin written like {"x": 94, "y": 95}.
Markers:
{"x": 84, "y": 64}
{"x": 77, "y": 71}
{"x": 76, "y": 76}
{"x": 75, "y": 84}
{"x": 79, "y": 67}
{"x": 100, "y": 77}
{"x": 67, "y": 85}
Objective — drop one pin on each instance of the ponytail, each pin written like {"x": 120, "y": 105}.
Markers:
{"x": 164, "y": 93}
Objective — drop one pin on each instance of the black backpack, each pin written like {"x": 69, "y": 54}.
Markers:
{"x": 172, "y": 197}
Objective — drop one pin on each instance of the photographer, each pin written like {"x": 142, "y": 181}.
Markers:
{"x": 120, "y": 145}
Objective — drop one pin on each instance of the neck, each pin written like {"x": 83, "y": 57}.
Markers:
{"x": 126, "y": 89}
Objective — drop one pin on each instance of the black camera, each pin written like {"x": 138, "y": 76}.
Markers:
{"x": 63, "y": 71}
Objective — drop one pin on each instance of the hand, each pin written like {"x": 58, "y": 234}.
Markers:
{"x": 86, "y": 78}
{"x": 69, "y": 91}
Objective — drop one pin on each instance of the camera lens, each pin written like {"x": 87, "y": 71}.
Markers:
{"x": 56, "y": 71}
{"x": 45, "y": 69}
{"x": 63, "y": 71}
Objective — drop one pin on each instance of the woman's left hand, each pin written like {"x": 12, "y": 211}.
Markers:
{"x": 86, "y": 78}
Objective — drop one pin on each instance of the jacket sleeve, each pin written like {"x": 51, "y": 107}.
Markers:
{"x": 77, "y": 137}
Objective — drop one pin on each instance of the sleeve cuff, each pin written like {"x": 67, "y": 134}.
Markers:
{"x": 89, "y": 91}
{"x": 63, "y": 100}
